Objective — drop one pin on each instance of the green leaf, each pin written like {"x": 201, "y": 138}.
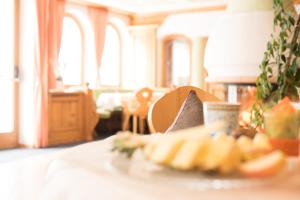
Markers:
{"x": 283, "y": 58}
{"x": 269, "y": 45}
{"x": 294, "y": 66}
{"x": 264, "y": 63}
{"x": 297, "y": 50}
{"x": 289, "y": 74}
{"x": 293, "y": 91}
{"x": 283, "y": 51}
{"x": 270, "y": 70}
{"x": 291, "y": 20}
{"x": 297, "y": 76}
{"x": 283, "y": 48}
{"x": 294, "y": 47}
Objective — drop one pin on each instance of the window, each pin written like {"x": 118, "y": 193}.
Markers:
{"x": 110, "y": 69}
{"x": 70, "y": 55}
{"x": 177, "y": 62}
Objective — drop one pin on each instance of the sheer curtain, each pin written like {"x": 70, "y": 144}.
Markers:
{"x": 50, "y": 15}
{"x": 98, "y": 18}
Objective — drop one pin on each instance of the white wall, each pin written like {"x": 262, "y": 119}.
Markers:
{"x": 197, "y": 27}
{"x": 144, "y": 56}
{"x": 189, "y": 24}
{"x": 28, "y": 75}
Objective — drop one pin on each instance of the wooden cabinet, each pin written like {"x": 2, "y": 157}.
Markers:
{"x": 66, "y": 118}
{"x": 72, "y": 117}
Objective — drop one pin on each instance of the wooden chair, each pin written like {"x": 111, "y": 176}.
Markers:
{"x": 90, "y": 113}
{"x": 162, "y": 113}
{"x": 143, "y": 98}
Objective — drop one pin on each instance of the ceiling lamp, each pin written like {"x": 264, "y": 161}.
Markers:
{"x": 236, "y": 45}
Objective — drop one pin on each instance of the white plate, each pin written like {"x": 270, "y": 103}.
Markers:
{"x": 146, "y": 172}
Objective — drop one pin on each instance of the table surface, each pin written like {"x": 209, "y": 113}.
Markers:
{"x": 81, "y": 173}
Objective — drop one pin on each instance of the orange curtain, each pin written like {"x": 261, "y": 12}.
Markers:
{"x": 50, "y": 15}
{"x": 98, "y": 18}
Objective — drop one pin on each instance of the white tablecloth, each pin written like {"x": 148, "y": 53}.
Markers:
{"x": 79, "y": 173}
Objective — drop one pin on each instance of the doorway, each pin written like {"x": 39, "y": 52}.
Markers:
{"x": 8, "y": 83}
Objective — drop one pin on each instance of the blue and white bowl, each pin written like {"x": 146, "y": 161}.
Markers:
{"x": 217, "y": 111}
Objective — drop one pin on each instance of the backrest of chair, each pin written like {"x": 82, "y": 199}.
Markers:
{"x": 162, "y": 113}
{"x": 143, "y": 97}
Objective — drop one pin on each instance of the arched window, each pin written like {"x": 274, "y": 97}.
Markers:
{"x": 110, "y": 69}
{"x": 71, "y": 51}
{"x": 177, "y": 61}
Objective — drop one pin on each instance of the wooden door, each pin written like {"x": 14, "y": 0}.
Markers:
{"x": 8, "y": 89}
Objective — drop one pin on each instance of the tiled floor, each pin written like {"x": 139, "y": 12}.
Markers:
{"x": 8, "y": 155}
{"x": 21, "y": 153}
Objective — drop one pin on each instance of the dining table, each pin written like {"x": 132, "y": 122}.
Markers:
{"x": 84, "y": 172}
{"x": 127, "y": 100}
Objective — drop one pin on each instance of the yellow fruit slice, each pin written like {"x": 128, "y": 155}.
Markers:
{"x": 232, "y": 160}
{"x": 187, "y": 155}
{"x": 244, "y": 143}
{"x": 267, "y": 165}
{"x": 217, "y": 152}
{"x": 261, "y": 142}
{"x": 149, "y": 149}
{"x": 165, "y": 150}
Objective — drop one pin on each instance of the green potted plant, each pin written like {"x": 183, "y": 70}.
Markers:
{"x": 280, "y": 76}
